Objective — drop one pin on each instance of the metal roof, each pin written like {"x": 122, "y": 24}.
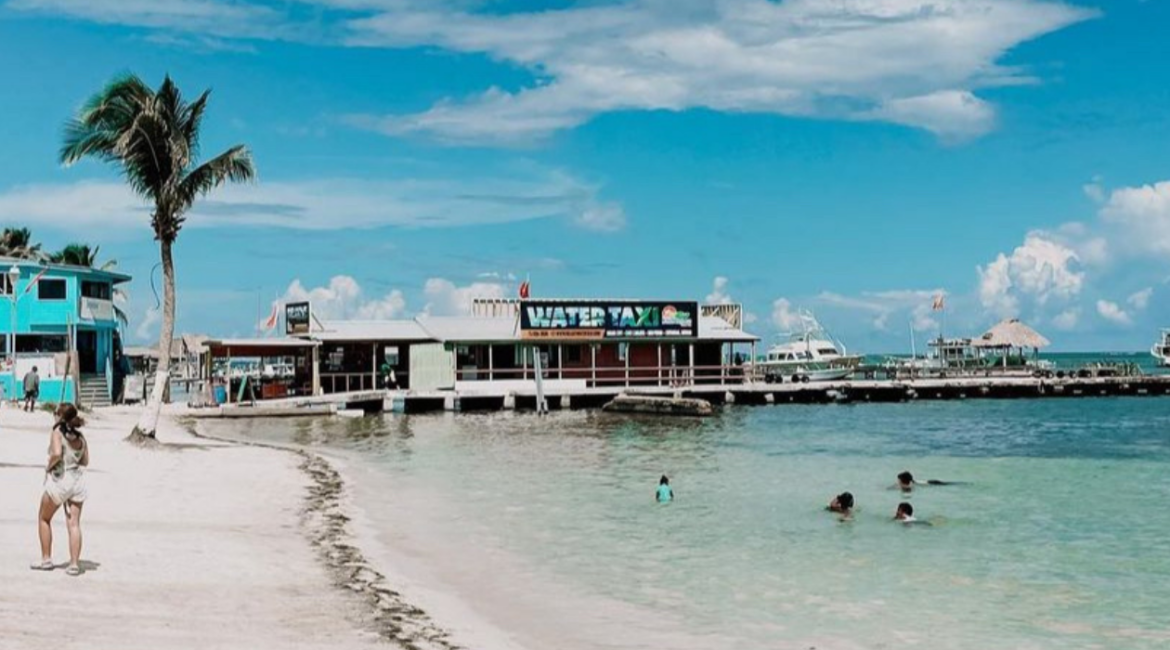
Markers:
{"x": 113, "y": 276}
{"x": 470, "y": 328}
{"x": 371, "y": 330}
{"x": 262, "y": 343}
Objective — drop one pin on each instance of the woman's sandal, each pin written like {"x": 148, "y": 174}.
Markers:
{"x": 73, "y": 571}
{"x": 47, "y": 565}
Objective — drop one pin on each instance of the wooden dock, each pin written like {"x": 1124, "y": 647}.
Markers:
{"x": 838, "y": 392}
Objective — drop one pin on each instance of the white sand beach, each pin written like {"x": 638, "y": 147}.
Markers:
{"x": 195, "y": 545}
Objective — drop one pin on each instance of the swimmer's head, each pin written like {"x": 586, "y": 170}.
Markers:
{"x": 905, "y": 511}
{"x": 905, "y": 479}
{"x": 664, "y": 480}
{"x": 844, "y": 501}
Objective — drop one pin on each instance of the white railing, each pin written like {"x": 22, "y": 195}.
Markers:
{"x": 93, "y": 309}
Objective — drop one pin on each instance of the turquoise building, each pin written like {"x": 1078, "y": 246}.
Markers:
{"x": 65, "y": 324}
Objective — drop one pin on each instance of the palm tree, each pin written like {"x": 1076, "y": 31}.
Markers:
{"x": 153, "y": 138}
{"x": 80, "y": 255}
{"x": 17, "y": 242}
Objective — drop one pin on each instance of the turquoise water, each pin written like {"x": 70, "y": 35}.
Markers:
{"x": 1058, "y": 538}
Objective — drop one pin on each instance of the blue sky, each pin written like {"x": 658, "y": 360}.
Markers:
{"x": 852, "y": 157}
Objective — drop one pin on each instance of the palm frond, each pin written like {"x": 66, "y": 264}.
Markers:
{"x": 234, "y": 165}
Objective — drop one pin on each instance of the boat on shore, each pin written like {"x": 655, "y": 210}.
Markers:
{"x": 1161, "y": 349}
{"x": 812, "y": 354}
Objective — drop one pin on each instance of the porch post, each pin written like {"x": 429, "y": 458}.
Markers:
{"x": 227, "y": 375}
{"x": 629, "y": 351}
{"x": 660, "y": 364}
{"x": 491, "y": 362}
{"x": 317, "y": 370}
{"x": 593, "y": 363}
{"x": 560, "y": 361}
{"x": 374, "y": 367}
{"x": 691, "y": 362}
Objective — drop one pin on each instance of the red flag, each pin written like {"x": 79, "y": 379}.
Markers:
{"x": 524, "y": 288}
{"x": 33, "y": 282}
{"x": 270, "y": 324}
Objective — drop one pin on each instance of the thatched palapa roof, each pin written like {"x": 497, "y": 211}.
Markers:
{"x": 1011, "y": 333}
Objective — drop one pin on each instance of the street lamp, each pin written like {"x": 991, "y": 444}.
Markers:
{"x": 13, "y": 278}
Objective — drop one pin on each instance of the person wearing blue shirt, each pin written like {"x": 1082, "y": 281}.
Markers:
{"x": 664, "y": 493}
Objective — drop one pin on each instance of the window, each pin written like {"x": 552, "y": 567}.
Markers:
{"x": 40, "y": 343}
{"x": 98, "y": 290}
{"x": 5, "y": 288}
{"x": 51, "y": 289}
{"x": 573, "y": 354}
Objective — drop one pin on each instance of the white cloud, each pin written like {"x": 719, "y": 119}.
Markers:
{"x": 784, "y": 318}
{"x": 1142, "y": 217}
{"x": 1039, "y": 270}
{"x": 949, "y": 114}
{"x": 719, "y": 295}
{"x": 445, "y": 298}
{"x": 601, "y": 217}
{"x": 147, "y": 330}
{"x": 1140, "y": 299}
{"x": 343, "y": 298}
{"x": 325, "y": 204}
{"x": 908, "y": 305}
{"x": 1067, "y": 319}
{"x": 1111, "y": 312}
{"x": 913, "y": 62}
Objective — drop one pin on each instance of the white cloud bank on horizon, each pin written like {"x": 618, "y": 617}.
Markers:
{"x": 917, "y": 63}
{"x": 343, "y": 298}
{"x": 325, "y": 204}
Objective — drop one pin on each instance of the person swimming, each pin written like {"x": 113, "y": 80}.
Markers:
{"x": 842, "y": 504}
{"x": 905, "y": 515}
{"x": 906, "y": 482}
{"x": 664, "y": 493}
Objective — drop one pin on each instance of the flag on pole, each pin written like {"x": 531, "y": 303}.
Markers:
{"x": 939, "y": 303}
{"x": 524, "y": 289}
{"x": 33, "y": 282}
{"x": 270, "y": 323}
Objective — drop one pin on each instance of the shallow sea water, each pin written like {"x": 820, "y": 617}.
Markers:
{"x": 1059, "y": 536}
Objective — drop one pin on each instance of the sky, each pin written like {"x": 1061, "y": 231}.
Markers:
{"x": 854, "y": 158}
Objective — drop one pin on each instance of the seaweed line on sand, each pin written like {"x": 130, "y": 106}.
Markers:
{"x": 325, "y": 523}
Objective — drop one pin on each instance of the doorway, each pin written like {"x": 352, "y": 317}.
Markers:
{"x": 87, "y": 360}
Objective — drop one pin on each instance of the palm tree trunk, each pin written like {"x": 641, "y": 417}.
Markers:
{"x": 148, "y": 423}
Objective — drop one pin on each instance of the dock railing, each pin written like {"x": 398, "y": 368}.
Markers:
{"x": 634, "y": 376}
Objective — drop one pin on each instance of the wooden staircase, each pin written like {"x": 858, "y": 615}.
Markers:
{"x": 94, "y": 392}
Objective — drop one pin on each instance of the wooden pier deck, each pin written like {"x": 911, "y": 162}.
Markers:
{"x": 487, "y": 398}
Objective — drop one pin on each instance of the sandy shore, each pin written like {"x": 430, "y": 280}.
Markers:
{"x": 199, "y": 544}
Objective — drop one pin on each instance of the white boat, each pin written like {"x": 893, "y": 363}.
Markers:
{"x": 1161, "y": 349}
{"x": 811, "y": 354}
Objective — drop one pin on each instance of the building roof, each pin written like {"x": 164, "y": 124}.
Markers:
{"x": 1011, "y": 333}
{"x": 714, "y": 328}
{"x": 245, "y": 347}
{"x": 371, "y": 330}
{"x": 113, "y": 276}
{"x": 471, "y": 329}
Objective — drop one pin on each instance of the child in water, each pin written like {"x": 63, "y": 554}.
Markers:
{"x": 905, "y": 515}
{"x": 842, "y": 504}
{"x": 664, "y": 494}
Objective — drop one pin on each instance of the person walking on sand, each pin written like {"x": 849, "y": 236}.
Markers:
{"x": 64, "y": 486}
{"x": 32, "y": 389}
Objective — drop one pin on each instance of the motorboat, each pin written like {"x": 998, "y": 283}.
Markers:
{"x": 811, "y": 354}
{"x": 1161, "y": 349}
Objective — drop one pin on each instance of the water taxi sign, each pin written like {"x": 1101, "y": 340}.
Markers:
{"x": 560, "y": 319}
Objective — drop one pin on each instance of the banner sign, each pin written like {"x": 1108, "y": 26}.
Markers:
{"x": 296, "y": 318}
{"x": 559, "y": 319}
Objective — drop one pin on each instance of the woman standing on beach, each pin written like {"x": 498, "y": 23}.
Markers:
{"x": 64, "y": 486}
